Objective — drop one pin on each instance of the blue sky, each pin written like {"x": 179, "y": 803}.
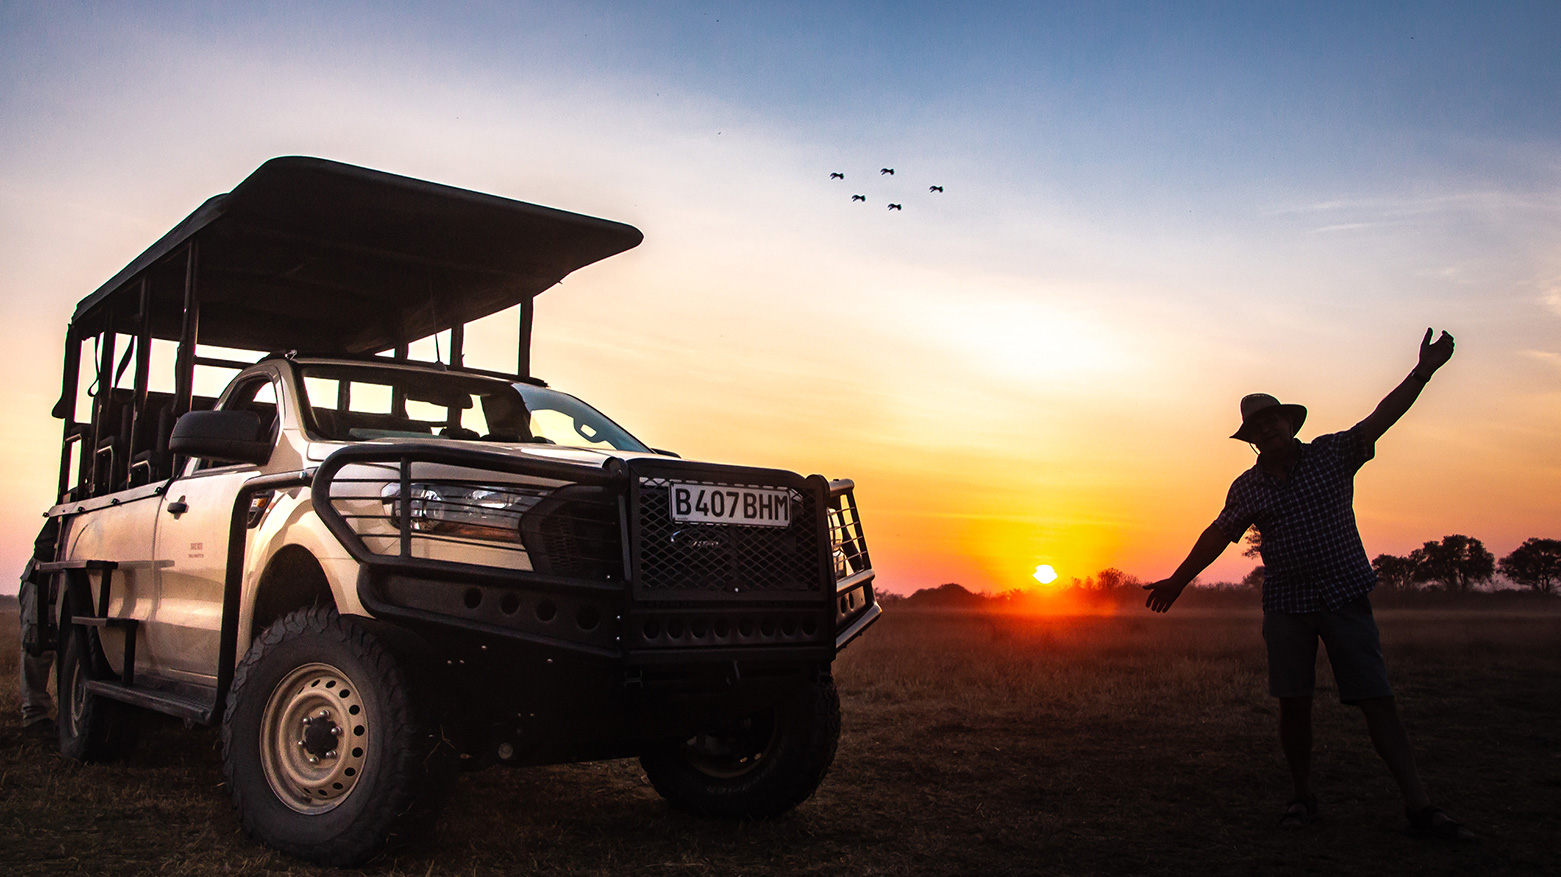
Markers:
{"x": 1149, "y": 210}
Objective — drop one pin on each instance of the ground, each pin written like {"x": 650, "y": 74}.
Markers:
{"x": 973, "y": 744}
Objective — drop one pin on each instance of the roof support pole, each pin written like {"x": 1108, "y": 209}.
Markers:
{"x": 523, "y": 362}
{"x": 143, "y": 344}
{"x": 184, "y": 362}
{"x": 398, "y": 394}
{"x": 65, "y": 409}
{"x": 103, "y": 473}
{"x": 457, "y": 342}
{"x": 143, "y": 366}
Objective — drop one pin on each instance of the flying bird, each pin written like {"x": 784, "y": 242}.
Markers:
{"x": 894, "y": 207}
{"x": 934, "y": 188}
{"x": 886, "y": 170}
{"x": 859, "y": 198}
{"x": 837, "y": 176}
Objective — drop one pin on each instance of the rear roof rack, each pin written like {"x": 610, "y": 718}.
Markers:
{"x": 317, "y": 255}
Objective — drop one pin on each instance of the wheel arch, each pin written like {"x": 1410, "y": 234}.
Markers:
{"x": 293, "y": 579}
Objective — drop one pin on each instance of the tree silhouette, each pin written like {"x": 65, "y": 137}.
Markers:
{"x": 1535, "y": 564}
{"x": 1457, "y": 563}
{"x": 1254, "y": 544}
{"x": 1112, "y": 579}
{"x": 1253, "y": 581}
{"x": 1397, "y": 573}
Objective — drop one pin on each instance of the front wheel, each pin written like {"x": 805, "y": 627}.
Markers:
{"x": 754, "y": 767}
{"x": 328, "y": 751}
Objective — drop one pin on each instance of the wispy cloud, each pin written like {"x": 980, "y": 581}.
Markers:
{"x": 1347, "y": 226}
{"x": 1552, "y": 298}
{"x": 1548, "y": 357}
{"x": 1484, "y": 201}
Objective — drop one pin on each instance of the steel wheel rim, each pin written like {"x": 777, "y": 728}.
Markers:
{"x": 78, "y": 699}
{"x": 732, "y": 754}
{"x": 314, "y": 738}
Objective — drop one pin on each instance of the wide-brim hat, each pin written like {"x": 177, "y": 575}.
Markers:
{"x": 1256, "y": 403}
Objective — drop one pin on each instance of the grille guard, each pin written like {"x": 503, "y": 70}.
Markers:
{"x": 818, "y": 602}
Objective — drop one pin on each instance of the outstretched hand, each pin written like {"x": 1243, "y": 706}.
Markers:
{"x": 1434, "y": 354}
{"x": 1162, "y": 594}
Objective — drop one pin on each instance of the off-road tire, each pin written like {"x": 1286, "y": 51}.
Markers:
{"x": 93, "y": 729}
{"x": 323, "y": 686}
{"x": 755, "y": 768}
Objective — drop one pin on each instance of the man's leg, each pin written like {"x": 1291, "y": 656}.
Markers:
{"x": 1295, "y": 738}
{"x": 1392, "y": 743}
{"x": 36, "y": 702}
{"x": 1355, "y": 651}
{"x": 35, "y": 669}
{"x": 1292, "y": 662}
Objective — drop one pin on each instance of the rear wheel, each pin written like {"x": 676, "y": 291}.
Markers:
{"x": 329, "y": 752}
{"x": 92, "y": 728}
{"x": 754, "y": 767}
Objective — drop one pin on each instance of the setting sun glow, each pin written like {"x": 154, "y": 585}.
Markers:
{"x": 1045, "y": 574}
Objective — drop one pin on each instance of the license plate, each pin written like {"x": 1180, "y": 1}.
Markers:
{"x": 724, "y": 504}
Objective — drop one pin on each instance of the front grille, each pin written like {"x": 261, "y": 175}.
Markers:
{"x": 725, "y": 558}
{"x": 574, "y": 533}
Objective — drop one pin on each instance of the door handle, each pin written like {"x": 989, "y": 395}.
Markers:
{"x": 177, "y": 507}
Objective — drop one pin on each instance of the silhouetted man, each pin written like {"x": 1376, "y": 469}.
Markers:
{"x": 1300, "y": 496}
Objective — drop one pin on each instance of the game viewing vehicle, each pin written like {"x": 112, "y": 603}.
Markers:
{"x": 374, "y": 572}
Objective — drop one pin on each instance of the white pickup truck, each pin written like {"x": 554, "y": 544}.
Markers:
{"x": 375, "y": 572}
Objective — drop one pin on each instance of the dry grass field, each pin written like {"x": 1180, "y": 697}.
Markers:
{"x": 973, "y": 745}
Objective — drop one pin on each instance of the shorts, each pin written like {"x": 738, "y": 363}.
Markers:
{"x": 1354, "y": 650}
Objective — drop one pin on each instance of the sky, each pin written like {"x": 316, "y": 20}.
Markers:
{"x": 1148, "y": 211}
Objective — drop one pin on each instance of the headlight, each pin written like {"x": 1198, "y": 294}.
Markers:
{"x": 473, "y": 511}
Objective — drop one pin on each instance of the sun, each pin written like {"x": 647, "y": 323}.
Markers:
{"x": 1045, "y": 574}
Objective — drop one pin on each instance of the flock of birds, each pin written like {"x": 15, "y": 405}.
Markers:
{"x": 882, "y": 172}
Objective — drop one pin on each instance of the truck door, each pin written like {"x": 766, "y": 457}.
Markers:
{"x": 192, "y": 551}
{"x": 121, "y": 532}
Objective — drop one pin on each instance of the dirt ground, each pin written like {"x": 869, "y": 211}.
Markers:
{"x": 973, "y": 744}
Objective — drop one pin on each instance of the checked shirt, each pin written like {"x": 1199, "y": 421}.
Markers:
{"x": 1313, "y": 559}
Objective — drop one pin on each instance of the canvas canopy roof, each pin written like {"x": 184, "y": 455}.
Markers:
{"x": 318, "y": 256}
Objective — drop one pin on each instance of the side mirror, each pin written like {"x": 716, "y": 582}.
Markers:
{"x": 229, "y": 436}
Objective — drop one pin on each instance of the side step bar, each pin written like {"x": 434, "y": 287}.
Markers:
{"x": 192, "y": 708}
{"x": 196, "y": 708}
{"x": 130, "y": 626}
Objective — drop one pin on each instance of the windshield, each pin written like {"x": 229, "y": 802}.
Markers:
{"x": 362, "y": 402}
{"x": 561, "y": 419}
{"x": 353, "y": 402}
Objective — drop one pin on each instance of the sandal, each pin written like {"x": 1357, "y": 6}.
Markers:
{"x": 1425, "y": 823}
{"x": 1299, "y": 813}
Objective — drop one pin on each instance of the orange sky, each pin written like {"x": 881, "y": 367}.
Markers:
{"x": 1039, "y": 365}
{"x": 1092, "y": 445}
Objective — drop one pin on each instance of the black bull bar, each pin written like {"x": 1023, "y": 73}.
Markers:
{"x": 534, "y": 590}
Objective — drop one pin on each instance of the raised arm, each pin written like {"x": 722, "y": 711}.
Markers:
{"x": 1204, "y": 552}
{"x": 1433, "y": 355}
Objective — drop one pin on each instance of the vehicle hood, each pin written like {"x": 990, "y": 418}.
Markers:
{"x": 318, "y": 451}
